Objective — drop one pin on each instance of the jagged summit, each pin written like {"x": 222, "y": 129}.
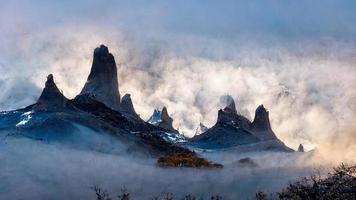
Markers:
{"x": 229, "y": 114}
{"x": 162, "y": 120}
{"x": 233, "y": 129}
{"x": 102, "y": 83}
{"x": 127, "y": 105}
{"x": 51, "y": 98}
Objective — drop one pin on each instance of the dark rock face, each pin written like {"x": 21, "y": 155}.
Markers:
{"x": 261, "y": 124}
{"x": 300, "y": 148}
{"x": 127, "y": 106}
{"x": 51, "y": 98}
{"x": 261, "y": 120}
{"x": 167, "y": 121}
{"x": 102, "y": 83}
{"x": 229, "y": 115}
{"x": 223, "y": 136}
{"x": 232, "y": 118}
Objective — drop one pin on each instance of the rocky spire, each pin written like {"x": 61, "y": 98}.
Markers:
{"x": 51, "y": 98}
{"x": 261, "y": 125}
{"x": 261, "y": 120}
{"x": 102, "y": 83}
{"x": 127, "y": 106}
{"x": 162, "y": 120}
{"x": 300, "y": 148}
{"x": 229, "y": 114}
{"x": 166, "y": 118}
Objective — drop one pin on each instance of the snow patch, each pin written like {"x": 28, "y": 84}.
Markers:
{"x": 26, "y": 117}
{"x": 173, "y": 137}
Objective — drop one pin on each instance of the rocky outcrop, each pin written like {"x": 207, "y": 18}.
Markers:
{"x": 229, "y": 114}
{"x": 261, "y": 125}
{"x": 300, "y": 148}
{"x": 127, "y": 106}
{"x": 261, "y": 120}
{"x": 102, "y": 83}
{"x": 51, "y": 98}
{"x": 167, "y": 121}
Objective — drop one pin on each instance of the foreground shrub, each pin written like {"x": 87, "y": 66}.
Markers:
{"x": 104, "y": 195}
{"x": 337, "y": 185}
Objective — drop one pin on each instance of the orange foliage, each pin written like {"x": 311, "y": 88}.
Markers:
{"x": 186, "y": 160}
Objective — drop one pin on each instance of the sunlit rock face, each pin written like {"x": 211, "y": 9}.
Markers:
{"x": 102, "y": 83}
{"x": 51, "y": 98}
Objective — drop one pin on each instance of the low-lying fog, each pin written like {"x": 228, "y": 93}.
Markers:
{"x": 33, "y": 169}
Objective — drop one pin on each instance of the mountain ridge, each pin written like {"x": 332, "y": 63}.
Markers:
{"x": 100, "y": 106}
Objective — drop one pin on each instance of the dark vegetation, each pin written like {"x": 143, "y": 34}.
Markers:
{"x": 340, "y": 184}
{"x": 124, "y": 195}
{"x": 337, "y": 185}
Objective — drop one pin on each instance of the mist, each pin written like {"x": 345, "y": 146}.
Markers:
{"x": 295, "y": 57}
{"x": 56, "y": 171}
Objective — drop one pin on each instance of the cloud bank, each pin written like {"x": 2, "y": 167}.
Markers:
{"x": 296, "y": 58}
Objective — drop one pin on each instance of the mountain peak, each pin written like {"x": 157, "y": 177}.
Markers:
{"x": 165, "y": 116}
{"x": 51, "y": 98}
{"x": 162, "y": 119}
{"x": 300, "y": 148}
{"x": 261, "y": 120}
{"x": 102, "y": 83}
{"x": 50, "y": 79}
{"x": 101, "y": 50}
{"x": 127, "y": 105}
{"x": 261, "y": 124}
{"x": 229, "y": 114}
